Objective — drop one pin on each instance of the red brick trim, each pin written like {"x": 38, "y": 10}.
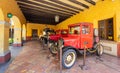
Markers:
{"x": 118, "y": 49}
{"x": 28, "y": 38}
{"x": 17, "y": 45}
{"x": 5, "y": 58}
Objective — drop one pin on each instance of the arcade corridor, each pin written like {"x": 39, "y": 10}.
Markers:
{"x": 24, "y": 22}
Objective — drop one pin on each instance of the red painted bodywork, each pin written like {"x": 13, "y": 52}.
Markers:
{"x": 58, "y": 35}
{"x": 79, "y": 41}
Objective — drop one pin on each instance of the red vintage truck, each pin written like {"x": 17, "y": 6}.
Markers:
{"x": 53, "y": 39}
{"x": 59, "y": 33}
{"x": 80, "y": 37}
{"x": 46, "y": 33}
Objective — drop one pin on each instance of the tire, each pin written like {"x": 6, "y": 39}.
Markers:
{"x": 53, "y": 48}
{"x": 70, "y": 55}
{"x": 99, "y": 50}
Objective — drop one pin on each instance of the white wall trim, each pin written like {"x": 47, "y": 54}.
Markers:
{"x": 4, "y": 22}
{"x": 17, "y": 42}
{"x": 18, "y": 29}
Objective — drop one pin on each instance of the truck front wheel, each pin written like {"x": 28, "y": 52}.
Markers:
{"x": 69, "y": 58}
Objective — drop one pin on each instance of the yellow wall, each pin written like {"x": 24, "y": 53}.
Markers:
{"x": 12, "y": 7}
{"x": 24, "y": 32}
{"x": 39, "y": 27}
{"x": 102, "y": 10}
{"x": 4, "y": 34}
{"x": 1, "y": 14}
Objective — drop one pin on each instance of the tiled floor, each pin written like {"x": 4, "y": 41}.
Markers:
{"x": 14, "y": 52}
{"x": 34, "y": 59}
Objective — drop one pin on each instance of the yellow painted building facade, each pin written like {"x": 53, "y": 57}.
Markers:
{"x": 38, "y": 27}
{"x": 102, "y": 10}
{"x": 9, "y": 6}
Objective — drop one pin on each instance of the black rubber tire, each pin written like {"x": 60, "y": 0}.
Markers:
{"x": 64, "y": 56}
{"x": 52, "y": 49}
{"x": 99, "y": 51}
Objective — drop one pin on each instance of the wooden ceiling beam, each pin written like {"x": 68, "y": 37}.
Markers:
{"x": 51, "y": 6}
{"x": 57, "y": 1}
{"x": 91, "y": 2}
{"x": 38, "y": 14}
{"x": 50, "y": 2}
{"x": 79, "y": 3}
{"x": 40, "y": 7}
{"x": 42, "y": 10}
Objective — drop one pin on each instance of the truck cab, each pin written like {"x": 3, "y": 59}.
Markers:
{"x": 80, "y": 35}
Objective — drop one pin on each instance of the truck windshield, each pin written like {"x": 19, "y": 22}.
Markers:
{"x": 74, "y": 30}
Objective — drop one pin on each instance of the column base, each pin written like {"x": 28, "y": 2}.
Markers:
{"x": 17, "y": 44}
{"x": 28, "y": 38}
{"x": 118, "y": 49}
{"x": 4, "y": 57}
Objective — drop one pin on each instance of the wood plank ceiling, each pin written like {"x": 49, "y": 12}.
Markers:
{"x": 44, "y": 11}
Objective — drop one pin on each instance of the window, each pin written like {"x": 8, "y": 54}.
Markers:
{"x": 34, "y": 33}
{"x": 106, "y": 29}
{"x": 75, "y": 30}
{"x": 85, "y": 29}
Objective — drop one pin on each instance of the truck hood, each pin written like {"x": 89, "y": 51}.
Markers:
{"x": 71, "y": 41}
{"x": 54, "y": 37}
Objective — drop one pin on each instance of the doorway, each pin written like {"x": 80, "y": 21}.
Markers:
{"x": 11, "y": 34}
{"x": 105, "y": 28}
{"x": 34, "y": 33}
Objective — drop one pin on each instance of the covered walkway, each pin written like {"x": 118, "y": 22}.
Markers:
{"x": 34, "y": 59}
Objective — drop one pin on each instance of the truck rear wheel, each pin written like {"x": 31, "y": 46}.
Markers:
{"x": 53, "y": 48}
{"x": 69, "y": 58}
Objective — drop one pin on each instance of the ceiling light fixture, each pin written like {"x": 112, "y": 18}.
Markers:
{"x": 57, "y": 18}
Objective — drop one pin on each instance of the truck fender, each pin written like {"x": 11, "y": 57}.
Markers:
{"x": 68, "y": 47}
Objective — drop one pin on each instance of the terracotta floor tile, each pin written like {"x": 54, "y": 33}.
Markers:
{"x": 33, "y": 59}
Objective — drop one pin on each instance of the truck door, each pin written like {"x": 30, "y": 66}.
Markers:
{"x": 87, "y": 35}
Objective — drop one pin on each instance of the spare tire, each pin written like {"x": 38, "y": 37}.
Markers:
{"x": 95, "y": 31}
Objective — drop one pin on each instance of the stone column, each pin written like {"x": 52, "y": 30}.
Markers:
{"x": 5, "y": 54}
{"x": 23, "y": 32}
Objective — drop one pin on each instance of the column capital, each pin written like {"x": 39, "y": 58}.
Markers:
{"x": 4, "y": 23}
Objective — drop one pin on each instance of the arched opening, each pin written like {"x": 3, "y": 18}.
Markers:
{"x": 16, "y": 28}
{"x": 4, "y": 35}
